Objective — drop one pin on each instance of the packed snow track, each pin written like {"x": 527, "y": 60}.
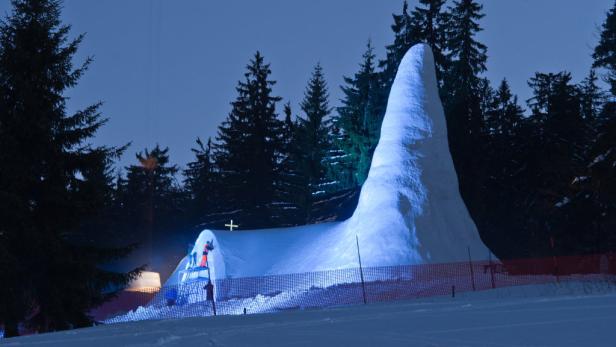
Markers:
{"x": 521, "y": 316}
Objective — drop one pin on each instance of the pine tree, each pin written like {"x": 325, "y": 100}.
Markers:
{"x": 555, "y": 147}
{"x": 430, "y": 22}
{"x": 506, "y": 113}
{"x": 593, "y": 98}
{"x": 598, "y": 186}
{"x": 463, "y": 94}
{"x": 201, "y": 184}
{"x": 500, "y": 163}
{"x": 590, "y": 208}
{"x": 53, "y": 182}
{"x": 313, "y": 140}
{"x": 291, "y": 188}
{"x": 468, "y": 60}
{"x": 405, "y": 36}
{"x": 152, "y": 200}
{"x": 605, "y": 54}
{"x": 248, "y": 149}
{"x": 586, "y": 213}
{"x": 358, "y": 125}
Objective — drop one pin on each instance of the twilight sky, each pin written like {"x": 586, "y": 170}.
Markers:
{"x": 167, "y": 70}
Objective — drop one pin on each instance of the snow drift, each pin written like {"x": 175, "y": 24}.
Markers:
{"x": 409, "y": 211}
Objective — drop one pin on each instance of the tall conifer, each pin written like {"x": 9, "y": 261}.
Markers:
{"x": 359, "y": 122}
{"x": 313, "y": 138}
{"x": 430, "y": 22}
{"x": 248, "y": 149}
{"x": 53, "y": 181}
{"x": 604, "y": 54}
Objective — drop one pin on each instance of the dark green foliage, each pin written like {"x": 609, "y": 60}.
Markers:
{"x": 587, "y": 211}
{"x": 248, "y": 149}
{"x": 604, "y": 54}
{"x": 467, "y": 60}
{"x": 593, "y": 97}
{"x": 430, "y": 22}
{"x": 598, "y": 186}
{"x": 547, "y": 150}
{"x": 405, "y": 36}
{"x": 292, "y": 184}
{"x": 357, "y": 125}
{"x": 501, "y": 164}
{"x": 151, "y": 199}
{"x": 507, "y": 113}
{"x": 586, "y": 222}
{"x": 464, "y": 97}
{"x": 53, "y": 183}
{"x": 201, "y": 183}
{"x": 312, "y": 142}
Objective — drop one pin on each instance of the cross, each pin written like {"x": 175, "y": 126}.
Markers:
{"x": 231, "y": 225}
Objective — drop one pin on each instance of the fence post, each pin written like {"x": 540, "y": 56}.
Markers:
{"x": 361, "y": 270}
{"x": 210, "y": 287}
{"x": 470, "y": 264}
{"x": 491, "y": 270}
{"x": 554, "y": 259}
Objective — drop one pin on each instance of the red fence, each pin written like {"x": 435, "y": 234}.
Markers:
{"x": 345, "y": 287}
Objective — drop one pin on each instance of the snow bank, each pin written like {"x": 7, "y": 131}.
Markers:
{"x": 409, "y": 211}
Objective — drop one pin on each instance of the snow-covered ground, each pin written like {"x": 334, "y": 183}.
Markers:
{"x": 566, "y": 314}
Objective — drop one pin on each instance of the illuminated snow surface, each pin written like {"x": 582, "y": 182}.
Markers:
{"x": 569, "y": 314}
{"x": 409, "y": 211}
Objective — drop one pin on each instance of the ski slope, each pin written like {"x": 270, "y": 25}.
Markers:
{"x": 558, "y": 315}
{"x": 409, "y": 211}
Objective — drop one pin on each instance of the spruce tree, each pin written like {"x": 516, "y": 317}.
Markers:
{"x": 593, "y": 97}
{"x": 506, "y": 114}
{"x": 405, "y": 36}
{"x": 291, "y": 187}
{"x": 53, "y": 181}
{"x": 151, "y": 198}
{"x": 604, "y": 54}
{"x": 500, "y": 165}
{"x": 358, "y": 124}
{"x": 201, "y": 184}
{"x": 555, "y": 148}
{"x": 463, "y": 93}
{"x": 591, "y": 206}
{"x": 248, "y": 149}
{"x": 313, "y": 140}
{"x": 468, "y": 60}
{"x": 430, "y": 23}
{"x": 596, "y": 188}
{"x": 586, "y": 213}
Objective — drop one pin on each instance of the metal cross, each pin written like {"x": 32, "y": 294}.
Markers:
{"x": 231, "y": 225}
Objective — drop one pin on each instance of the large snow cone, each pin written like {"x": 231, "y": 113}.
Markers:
{"x": 409, "y": 212}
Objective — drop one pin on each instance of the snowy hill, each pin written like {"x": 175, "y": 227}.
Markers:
{"x": 409, "y": 211}
{"x": 558, "y": 315}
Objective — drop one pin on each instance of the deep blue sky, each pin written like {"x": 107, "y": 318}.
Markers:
{"x": 167, "y": 70}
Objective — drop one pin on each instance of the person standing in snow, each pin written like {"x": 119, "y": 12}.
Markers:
{"x": 209, "y": 246}
{"x": 193, "y": 258}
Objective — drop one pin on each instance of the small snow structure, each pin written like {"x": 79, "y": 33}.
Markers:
{"x": 409, "y": 211}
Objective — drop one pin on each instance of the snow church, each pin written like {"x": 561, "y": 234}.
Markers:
{"x": 410, "y": 210}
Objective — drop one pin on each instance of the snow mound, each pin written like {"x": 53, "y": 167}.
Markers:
{"x": 409, "y": 211}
